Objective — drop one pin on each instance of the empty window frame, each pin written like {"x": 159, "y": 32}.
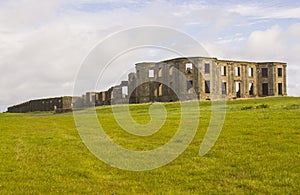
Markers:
{"x": 265, "y": 89}
{"x": 159, "y": 73}
{"x": 250, "y": 72}
{"x": 237, "y": 71}
{"x": 151, "y": 73}
{"x": 223, "y": 70}
{"x": 103, "y": 96}
{"x": 207, "y": 86}
{"x": 188, "y": 66}
{"x": 155, "y": 92}
{"x": 264, "y": 72}
{"x": 160, "y": 90}
{"x": 279, "y": 72}
{"x": 189, "y": 86}
{"x": 206, "y": 68}
{"x": 279, "y": 88}
{"x": 238, "y": 89}
{"x": 224, "y": 88}
{"x": 93, "y": 98}
{"x": 124, "y": 91}
{"x": 171, "y": 71}
{"x": 251, "y": 88}
{"x": 112, "y": 94}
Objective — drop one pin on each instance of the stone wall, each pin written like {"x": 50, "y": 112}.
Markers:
{"x": 57, "y": 104}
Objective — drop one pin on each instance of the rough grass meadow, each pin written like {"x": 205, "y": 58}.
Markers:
{"x": 258, "y": 151}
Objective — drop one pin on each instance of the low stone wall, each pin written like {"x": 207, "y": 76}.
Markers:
{"x": 57, "y": 104}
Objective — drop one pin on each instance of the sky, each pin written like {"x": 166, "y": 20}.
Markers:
{"x": 44, "y": 43}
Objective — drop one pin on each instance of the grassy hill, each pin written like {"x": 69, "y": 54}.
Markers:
{"x": 258, "y": 151}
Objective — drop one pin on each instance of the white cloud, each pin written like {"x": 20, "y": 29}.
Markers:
{"x": 266, "y": 44}
{"x": 273, "y": 44}
{"x": 230, "y": 39}
{"x": 258, "y": 11}
{"x": 21, "y": 15}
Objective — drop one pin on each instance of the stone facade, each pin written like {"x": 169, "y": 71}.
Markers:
{"x": 200, "y": 78}
{"x": 175, "y": 79}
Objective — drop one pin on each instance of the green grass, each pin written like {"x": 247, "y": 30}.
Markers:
{"x": 258, "y": 151}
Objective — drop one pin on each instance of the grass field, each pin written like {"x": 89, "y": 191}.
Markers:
{"x": 258, "y": 151}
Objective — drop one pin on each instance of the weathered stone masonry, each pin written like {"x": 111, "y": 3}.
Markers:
{"x": 57, "y": 104}
{"x": 181, "y": 78}
{"x": 207, "y": 76}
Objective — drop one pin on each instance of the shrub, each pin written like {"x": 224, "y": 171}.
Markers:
{"x": 246, "y": 107}
{"x": 262, "y": 106}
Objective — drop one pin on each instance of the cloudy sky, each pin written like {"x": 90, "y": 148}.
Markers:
{"x": 43, "y": 43}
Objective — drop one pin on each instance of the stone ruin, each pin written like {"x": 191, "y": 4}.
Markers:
{"x": 201, "y": 78}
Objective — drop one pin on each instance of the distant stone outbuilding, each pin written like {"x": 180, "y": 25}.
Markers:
{"x": 57, "y": 104}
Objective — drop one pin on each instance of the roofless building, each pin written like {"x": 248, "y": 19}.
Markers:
{"x": 202, "y": 78}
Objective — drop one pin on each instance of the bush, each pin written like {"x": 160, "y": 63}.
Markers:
{"x": 246, "y": 107}
{"x": 262, "y": 106}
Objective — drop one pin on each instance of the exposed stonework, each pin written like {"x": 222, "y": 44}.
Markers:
{"x": 57, "y": 104}
{"x": 179, "y": 78}
{"x": 207, "y": 76}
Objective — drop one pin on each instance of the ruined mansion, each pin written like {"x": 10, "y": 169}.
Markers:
{"x": 201, "y": 78}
